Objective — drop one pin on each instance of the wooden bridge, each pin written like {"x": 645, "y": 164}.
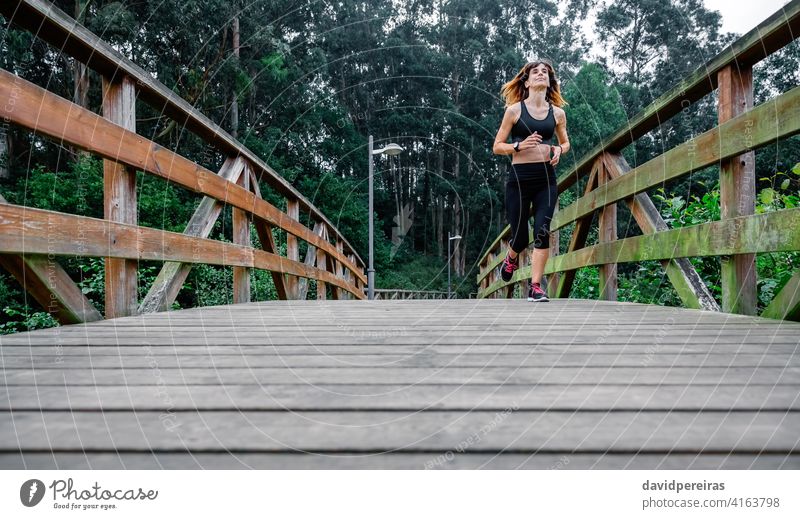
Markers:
{"x": 342, "y": 382}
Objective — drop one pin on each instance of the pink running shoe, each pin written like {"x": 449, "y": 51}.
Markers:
{"x": 536, "y": 294}
{"x": 508, "y": 268}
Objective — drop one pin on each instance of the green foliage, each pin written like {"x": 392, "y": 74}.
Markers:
{"x": 79, "y": 190}
{"x": 25, "y": 319}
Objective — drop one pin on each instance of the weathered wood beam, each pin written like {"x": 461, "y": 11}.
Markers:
{"x": 683, "y": 276}
{"x": 606, "y": 233}
{"x": 70, "y": 123}
{"x": 776, "y": 231}
{"x": 310, "y": 260}
{"x": 264, "y": 232}
{"x": 337, "y": 270}
{"x": 36, "y": 231}
{"x": 737, "y": 189}
{"x": 172, "y": 275}
{"x": 555, "y": 250}
{"x": 292, "y": 249}
{"x": 777, "y": 118}
{"x": 49, "y": 284}
{"x": 240, "y": 223}
{"x": 119, "y": 198}
{"x": 786, "y": 303}
{"x": 322, "y": 264}
{"x": 578, "y": 239}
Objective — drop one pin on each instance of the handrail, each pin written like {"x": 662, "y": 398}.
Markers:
{"x": 53, "y": 26}
{"x": 738, "y": 236}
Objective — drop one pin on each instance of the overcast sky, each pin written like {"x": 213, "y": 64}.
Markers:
{"x": 739, "y": 16}
{"x": 742, "y": 15}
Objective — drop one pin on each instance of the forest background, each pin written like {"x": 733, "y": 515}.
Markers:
{"x": 303, "y": 84}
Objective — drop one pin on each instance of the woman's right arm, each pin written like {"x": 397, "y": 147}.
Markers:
{"x": 501, "y": 147}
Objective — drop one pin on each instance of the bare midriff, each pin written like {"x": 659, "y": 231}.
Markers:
{"x": 540, "y": 153}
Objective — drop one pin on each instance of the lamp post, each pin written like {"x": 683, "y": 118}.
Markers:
{"x": 389, "y": 149}
{"x": 449, "y": 239}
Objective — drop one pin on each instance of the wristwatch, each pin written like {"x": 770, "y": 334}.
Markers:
{"x": 516, "y": 146}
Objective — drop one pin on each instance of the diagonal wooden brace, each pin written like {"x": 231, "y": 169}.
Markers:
{"x": 48, "y": 283}
{"x": 172, "y": 275}
{"x": 264, "y": 231}
{"x": 579, "y": 235}
{"x": 683, "y": 276}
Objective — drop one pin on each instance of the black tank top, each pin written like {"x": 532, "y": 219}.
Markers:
{"x": 526, "y": 125}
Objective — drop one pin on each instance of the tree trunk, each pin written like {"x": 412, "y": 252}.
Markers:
{"x": 439, "y": 209}
{"x": 5, "y": 152}
{"x": 80, "y": 76}
{"x": 234, "y": 98}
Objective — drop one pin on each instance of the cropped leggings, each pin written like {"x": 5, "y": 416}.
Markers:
{"x": 531, "y": 183}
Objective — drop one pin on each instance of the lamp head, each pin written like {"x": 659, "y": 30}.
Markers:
{"x": 389, "y": 149}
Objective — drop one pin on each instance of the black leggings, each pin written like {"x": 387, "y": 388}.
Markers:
{"x": 535, "y": 183}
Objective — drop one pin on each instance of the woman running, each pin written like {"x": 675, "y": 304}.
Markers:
{"x": 533, "y": 115}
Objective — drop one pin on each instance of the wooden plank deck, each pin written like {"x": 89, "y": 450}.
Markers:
{"x": 405, "y": 384}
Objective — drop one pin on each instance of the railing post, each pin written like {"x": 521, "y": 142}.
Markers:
{"x": 356, "y": 281}
{"x": 737, "y": 192}
{"x": 322, "y": 263}
{"x": 119, "y": 199}
{"x": 607, "y": 232}
{"x": 292, "y": 249}
{"x": 338, "y": 270}
{"x": 241, "y": 236}
{"x": 555, "y": 248}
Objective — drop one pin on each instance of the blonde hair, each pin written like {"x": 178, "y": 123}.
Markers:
{"x": 514, "y": 91}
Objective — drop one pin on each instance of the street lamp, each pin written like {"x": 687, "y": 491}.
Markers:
{"x": 449, "y": 239}
{"x": 389, "y": 149}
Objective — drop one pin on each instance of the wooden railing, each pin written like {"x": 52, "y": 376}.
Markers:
{"x": 399, "y": 293}
{"x": 31, "y": 239}
{"x": 740, "y": 233}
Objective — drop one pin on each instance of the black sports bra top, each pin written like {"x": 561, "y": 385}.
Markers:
{"x": 526, "y": 125}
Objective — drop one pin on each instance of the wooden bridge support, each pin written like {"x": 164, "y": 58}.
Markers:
{"x": 683, "y": 276}
{"x": 737, "y": 192}
{"x": 170, "y": 279}
{"x": 555, "y": 250}
{"x": 292, "y": 250}
{"x": 578, "y": 239}
{"x": 607, "y": 232}
{"x": 241, "y": 236}
{"x": 119, "y": 196}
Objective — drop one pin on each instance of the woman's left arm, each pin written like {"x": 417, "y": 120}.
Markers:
{"x": 561, "y": 133}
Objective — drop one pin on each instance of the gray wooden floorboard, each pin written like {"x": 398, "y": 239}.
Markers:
{"x": 383, "y": 431}
{"x": 427, "y": 461}
{"x": 491, "y": 384}
{"x": 359, "y": 397}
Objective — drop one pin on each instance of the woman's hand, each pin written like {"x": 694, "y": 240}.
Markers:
{"x": 556, "y": 154}
{"x": 533, "y": 140}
